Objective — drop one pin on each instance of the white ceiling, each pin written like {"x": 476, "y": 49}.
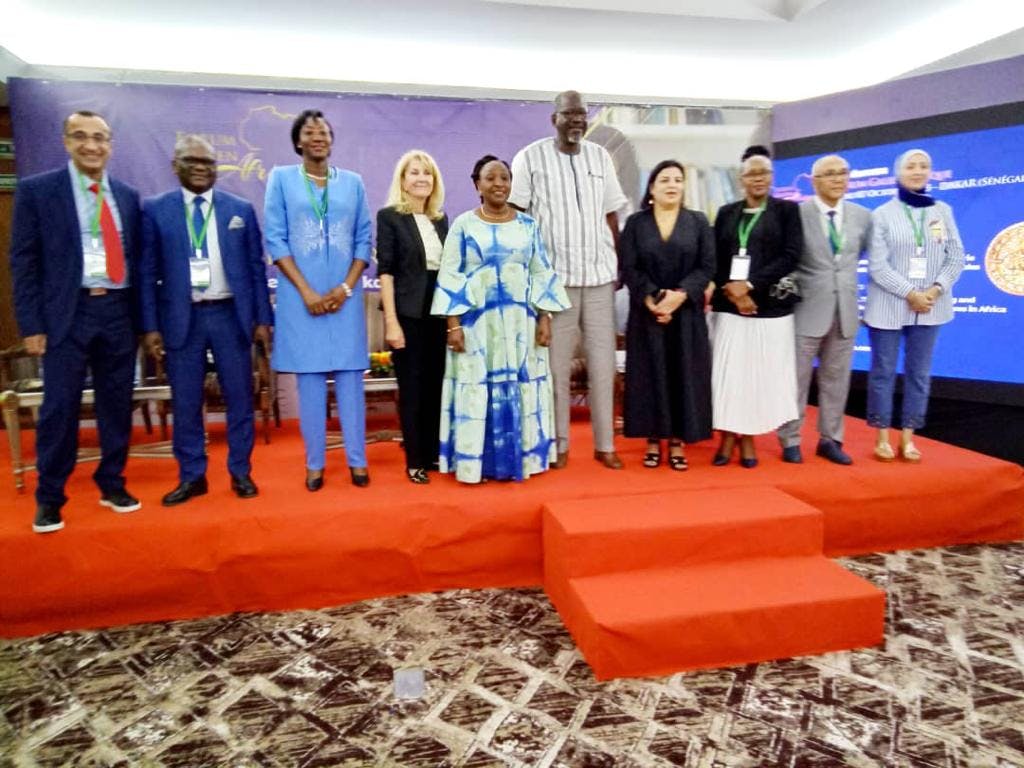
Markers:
{"x": 666, "y": 51}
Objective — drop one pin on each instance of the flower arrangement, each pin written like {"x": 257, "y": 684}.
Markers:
{"x": 380, "y": 365}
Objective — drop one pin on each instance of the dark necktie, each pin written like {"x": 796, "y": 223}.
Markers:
{"x": 833, "y": 233}
{"x": 197, "y": 223}
{"x": 111, "y": 240}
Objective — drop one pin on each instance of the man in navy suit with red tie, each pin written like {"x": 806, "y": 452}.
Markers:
{"x": 203, "y": 287}
{"x": 74, "y": 247}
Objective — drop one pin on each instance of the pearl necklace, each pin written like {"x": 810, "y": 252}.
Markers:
{"x": 485, "y": 217}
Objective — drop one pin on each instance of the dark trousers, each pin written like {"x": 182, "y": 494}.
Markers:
{"x": 214, "y": 326}
{"x": 103, "y": 339}
{"x": 419, "y": 369}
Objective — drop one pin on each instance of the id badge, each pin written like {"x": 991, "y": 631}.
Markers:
{"x": 199, "y": 272}
{"x": 740, "y": 267}
{"x": 94, "y": 260}
{"x": 918, "y": 268}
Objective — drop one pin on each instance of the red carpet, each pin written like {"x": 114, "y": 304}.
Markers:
{"x": 701, "y": 579}
{"x": 292, "y": 549}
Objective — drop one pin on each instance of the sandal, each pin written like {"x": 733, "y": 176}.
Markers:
{"x": 910, "y": 453}
{"x": 653, "y": 457}
{"x": 417, "y": 475}
{"x": 884, "y": 452}
{"x": 677, "y": 461}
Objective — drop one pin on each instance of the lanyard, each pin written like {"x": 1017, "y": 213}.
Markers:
{"x": 95, "y": 223}
{"x": 744, "y": 232}
{"x": 918, "y": 228}
{"x": 319, "y": 207}
{"x": 198, "y": 240}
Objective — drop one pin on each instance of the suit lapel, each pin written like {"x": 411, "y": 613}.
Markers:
{"x": 413, "y": 231}
{"x": 73, "y": 231}
{"x": 813, "y": 222}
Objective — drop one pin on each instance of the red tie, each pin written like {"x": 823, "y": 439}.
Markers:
{"x": 111, "y": 241}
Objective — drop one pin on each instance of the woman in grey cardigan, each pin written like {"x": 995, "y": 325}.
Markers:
{"x": 915, "y": 257}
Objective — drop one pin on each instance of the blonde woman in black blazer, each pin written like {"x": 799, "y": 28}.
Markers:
{"x": 410, "y": 236}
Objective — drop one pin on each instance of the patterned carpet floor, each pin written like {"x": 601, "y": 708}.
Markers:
{"x": 505, "y": 686}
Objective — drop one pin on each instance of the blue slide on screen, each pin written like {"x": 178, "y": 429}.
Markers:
{"x": 981, "y": 175}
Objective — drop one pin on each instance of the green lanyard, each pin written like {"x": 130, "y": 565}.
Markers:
{"x": 95, "y": 223}
{"x": 918, "y": 228}
{"x": 198, "y": 240}
{"x": 744, "y": 232}
{"x": 319, "y": 206}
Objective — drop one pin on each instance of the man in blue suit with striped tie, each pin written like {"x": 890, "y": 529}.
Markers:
{"x": 203, "y": 287}
{"x": 74, "y": 247}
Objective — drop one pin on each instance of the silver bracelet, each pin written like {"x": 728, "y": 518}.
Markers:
{"x": 347, "y": 291}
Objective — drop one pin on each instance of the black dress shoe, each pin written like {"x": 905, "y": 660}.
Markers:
{"x": 362, "y": 479}
{"x": 120, "y": 501}
{"x": 186, "y": 490}
{"x": 47, "y": 519}
{"x": 243, "y": 486}
{"x": 834, "y": 452}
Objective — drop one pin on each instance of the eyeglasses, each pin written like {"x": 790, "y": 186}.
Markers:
{"x": 81, "y": 137}
{"x": 832, "y": 174}
{"x": 206, "y": 162}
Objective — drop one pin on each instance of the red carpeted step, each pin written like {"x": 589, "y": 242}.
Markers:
{"x": 623, "y": 533}
{"x": 661, "y": 621}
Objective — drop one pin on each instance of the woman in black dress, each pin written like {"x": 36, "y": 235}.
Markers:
{"x": 668, "y": 257}
{"x": 410, "y": 238}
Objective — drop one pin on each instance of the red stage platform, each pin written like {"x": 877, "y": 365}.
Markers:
{"x": 291, "y": 549}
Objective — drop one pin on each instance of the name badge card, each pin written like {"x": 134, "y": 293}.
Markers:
{"x": 94, "y": 259}
{"x": 918, "y": 268}
{"x": 739, "y": 269}
{"x": 199, "y": 272}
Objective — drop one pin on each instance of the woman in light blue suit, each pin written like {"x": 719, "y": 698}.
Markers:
{"x": 915, "y": 257}
{"x": 318, "y": 233}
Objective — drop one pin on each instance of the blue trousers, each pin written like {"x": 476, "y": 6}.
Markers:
{"x": 102, "y": 338}
{"x": 348, "y": 390}
{"x": 918, "y": 344}
{"x": 214, "y": 326}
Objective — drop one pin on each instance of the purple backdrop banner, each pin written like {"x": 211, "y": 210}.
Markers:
{"x": 250, "y": 132}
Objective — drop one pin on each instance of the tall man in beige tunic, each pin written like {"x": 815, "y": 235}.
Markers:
{"x": 569, "y": 186}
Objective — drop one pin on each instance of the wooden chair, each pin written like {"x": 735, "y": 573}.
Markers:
{"x": 22, "y": 393}
{"x": 264, "y": 390}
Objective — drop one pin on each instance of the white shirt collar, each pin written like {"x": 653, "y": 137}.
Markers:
{"x": 824, "y": 208}
{"x": 190, "y": 196}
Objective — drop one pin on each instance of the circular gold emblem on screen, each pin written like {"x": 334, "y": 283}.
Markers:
{"x": 1004, "y": 260}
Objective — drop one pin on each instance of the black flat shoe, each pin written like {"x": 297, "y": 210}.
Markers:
{"x": 186, "y": 490}
{"x": 314, "y": 484}
{"x": 677, "y": 461}
{"x": 720, "y": 460}
{"x": 362, "y": 479}
{"x": 417, "y": 475}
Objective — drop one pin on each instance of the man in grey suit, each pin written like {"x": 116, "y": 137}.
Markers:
{"x": 836, "y": 232}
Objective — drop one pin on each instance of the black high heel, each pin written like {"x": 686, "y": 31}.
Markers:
{"x": 314, "y": 484}
{"x": 362, "y": 479}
